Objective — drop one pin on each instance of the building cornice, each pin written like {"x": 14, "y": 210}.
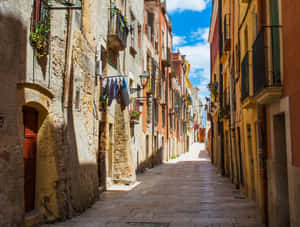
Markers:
{"x": 213, "y": 21}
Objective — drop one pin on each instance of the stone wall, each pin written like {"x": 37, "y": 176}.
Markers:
{"x": 67, "y": 139}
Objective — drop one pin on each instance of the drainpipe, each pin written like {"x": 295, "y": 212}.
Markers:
{"x": 68, "y": 61}
{"x": 259, "y": 158}
{"x": 66, "y": 85}
{"x": 167, "y": 91}
{"x": 231, "y": 121}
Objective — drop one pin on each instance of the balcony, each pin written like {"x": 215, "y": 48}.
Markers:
{"x": 246, "y": 98}
{"x": 245, "y": 77}
{"x": 266, "y": 79}
{"x": 117, "y": 31}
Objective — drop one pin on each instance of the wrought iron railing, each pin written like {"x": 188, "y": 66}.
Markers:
{"x": 264, "y": 76}
{"x": 118, "y": 27}
{"x": 245, "y": 77}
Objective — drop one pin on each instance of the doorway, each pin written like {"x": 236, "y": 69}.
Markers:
{"x": 281, "y": 172}
{"x": 110, "y": 151}
{"x": 30, "y": 121}
{"x": 147, "y": 147}
{"x": 240, "y": 157}
{"x": 251, "y": 169}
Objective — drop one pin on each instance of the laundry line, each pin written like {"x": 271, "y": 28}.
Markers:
{"x": 117, "y": 76}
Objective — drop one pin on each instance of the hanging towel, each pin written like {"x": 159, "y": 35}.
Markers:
{"x": 111, "y": 92}
{"x": 118, "y": 90}
{"x": 105, "y": 88}
{"x": 124, "y": 95}
{"x": 114, "y": 91}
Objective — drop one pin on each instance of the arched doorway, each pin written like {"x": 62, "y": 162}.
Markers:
{"x": 30, "y": 123}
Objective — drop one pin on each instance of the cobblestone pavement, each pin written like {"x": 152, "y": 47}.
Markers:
{"x": 184, "y": 192}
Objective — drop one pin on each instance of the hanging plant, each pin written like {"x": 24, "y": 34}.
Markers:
{"x": 213, "y": 87}
{"x": 134, "y": 114}
{"x": 39, "y": 37}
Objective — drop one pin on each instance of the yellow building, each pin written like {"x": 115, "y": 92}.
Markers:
{"x": 234, "y": 118}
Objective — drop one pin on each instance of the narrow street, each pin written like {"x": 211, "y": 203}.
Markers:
{"x": 187, "y": 191}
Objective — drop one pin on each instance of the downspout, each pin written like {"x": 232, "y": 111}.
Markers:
{"x": 66, "y": 86}
{"x": 230, "y": 122}
{"x": 259, "y": 158}
{"x": 167, "y": 92}
{"x": 124, "y": 54}
{"x": 220, "y": 124}
{"x": 68, "y": 62}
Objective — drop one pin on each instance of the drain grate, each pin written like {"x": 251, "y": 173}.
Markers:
{"x": 148, "y": 224}
{"x": 239, "y": 197}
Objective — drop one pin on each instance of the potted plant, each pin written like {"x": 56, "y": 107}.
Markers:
{"x": 135, "y": 115}
{"x": 39, "y": 36}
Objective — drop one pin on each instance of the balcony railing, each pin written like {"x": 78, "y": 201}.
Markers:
{"x": 117, "y": 31}
{"x": 245, "y": 77}
{"x": 264, "y": 75}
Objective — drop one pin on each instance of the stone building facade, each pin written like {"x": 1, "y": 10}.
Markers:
{"x": 61, "y": 143}
{"x": 254, "y": 142}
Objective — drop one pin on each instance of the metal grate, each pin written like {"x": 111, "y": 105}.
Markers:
{"x": 148, "y": 224}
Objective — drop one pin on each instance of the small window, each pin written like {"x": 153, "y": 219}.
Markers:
{"x": 163, "y": 116}
{"x": 77, "y": 99}
{"x": 139, "y": 36}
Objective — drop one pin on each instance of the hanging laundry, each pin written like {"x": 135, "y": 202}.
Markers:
{"x": 124, "y": 94}
{"x": 114, "y": 91}
{"x": 118, "y": 90}
{"x": 105, "y": 88}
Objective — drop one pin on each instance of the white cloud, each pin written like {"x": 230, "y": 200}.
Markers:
{"x": 200, "y": 34}
{"x": 198, "y": 56}
{"x": 179, "y": 40}
{"x": 180, "y": 5}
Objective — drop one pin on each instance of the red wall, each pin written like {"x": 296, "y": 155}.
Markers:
{"x": 215, "y": 43}
{"x": 291, "y": 69}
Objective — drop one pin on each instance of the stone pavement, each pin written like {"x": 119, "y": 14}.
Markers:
{"x": 184, "y": 192}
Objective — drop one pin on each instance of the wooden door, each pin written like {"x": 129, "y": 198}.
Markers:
{"x": 30, "y": 117}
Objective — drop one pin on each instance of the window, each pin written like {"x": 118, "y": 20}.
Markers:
{"x": 77, "y": 99}
{"x": 255, "y": 18}
{"x": 139, "y": 36}
{"x": 156, "y": 113}
{"x": 163, "y": 116}
{"x": 36, "y": 13}
{"x": 133, "y": 34}
{"x": 246, "y": 40}
{"x": 148, "y": 112}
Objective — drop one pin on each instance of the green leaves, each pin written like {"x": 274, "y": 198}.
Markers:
{"x": 135, "y": 114}
{"x": 40, "y": 37}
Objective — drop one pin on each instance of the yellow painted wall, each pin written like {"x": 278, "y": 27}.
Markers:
{"x": 248, "y": 33}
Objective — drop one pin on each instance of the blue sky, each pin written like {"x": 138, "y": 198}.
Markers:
{"x": 191, "y": 21}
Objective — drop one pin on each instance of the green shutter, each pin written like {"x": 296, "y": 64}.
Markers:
{"x": 275, "y": 40}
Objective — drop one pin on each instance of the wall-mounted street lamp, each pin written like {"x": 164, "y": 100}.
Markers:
{"x": 144, "y": 77}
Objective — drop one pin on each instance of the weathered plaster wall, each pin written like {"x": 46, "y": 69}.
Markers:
{"x": 66, "y": 180}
